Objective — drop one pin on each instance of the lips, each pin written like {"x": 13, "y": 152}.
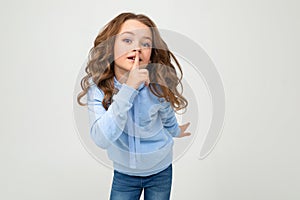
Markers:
{"x": 132, "y": 58}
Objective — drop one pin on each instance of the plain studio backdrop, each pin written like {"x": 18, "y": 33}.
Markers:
{"x": 254, "y": 46}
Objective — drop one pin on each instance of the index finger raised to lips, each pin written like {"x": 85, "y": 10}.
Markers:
{"x": 136, "y": 61}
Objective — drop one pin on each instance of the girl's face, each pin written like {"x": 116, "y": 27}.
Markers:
{"x": 133, "y": 36}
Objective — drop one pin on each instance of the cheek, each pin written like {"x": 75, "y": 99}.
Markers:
{"x": 120, "y": 50}
{"x": 147, "y": 54}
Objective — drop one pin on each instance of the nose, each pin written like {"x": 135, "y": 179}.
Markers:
{"x": 137, "y": 49}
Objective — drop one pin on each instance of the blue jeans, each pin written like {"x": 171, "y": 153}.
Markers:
{"x": 156, "y": 187}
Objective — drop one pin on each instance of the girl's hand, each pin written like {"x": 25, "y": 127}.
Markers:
{"x": 136, "y": 75}
{"x": 183, "y": 128}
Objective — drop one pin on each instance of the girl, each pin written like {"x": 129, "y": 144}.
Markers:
{"x": 131, "y": 88}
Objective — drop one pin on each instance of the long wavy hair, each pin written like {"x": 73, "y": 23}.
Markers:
{"x": 162, "y": 73}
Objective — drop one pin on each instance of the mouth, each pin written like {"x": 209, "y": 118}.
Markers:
{"x": 132, "y": 58}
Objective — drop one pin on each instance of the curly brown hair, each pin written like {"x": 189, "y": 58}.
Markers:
{"x": 100, "y": 66}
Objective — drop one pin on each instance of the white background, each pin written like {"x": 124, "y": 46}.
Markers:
{"x": 254, "y": 45}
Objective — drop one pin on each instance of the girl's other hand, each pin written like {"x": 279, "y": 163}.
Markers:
{"x": 136, "y": 75}
{"x": 183, "y": 128}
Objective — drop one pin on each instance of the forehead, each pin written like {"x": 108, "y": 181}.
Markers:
{"x": 135, "y": 27}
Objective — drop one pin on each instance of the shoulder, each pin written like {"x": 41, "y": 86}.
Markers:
{"x": 152, "y": 95}
{"x": 94, "y": 91}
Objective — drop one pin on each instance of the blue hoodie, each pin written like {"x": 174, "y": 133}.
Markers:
{"x": 136, "y": 130}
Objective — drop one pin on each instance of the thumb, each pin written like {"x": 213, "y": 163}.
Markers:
{"x": 185, "y": 126}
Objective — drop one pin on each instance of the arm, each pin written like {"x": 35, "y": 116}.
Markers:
{"x": 170, "y": 122}
{"x": 168, "y": 119}
{"x": 106, "y": 126}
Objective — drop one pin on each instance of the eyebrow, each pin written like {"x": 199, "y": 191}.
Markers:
{"x": 131, "y": 33}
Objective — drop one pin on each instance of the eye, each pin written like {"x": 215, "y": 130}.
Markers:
{"x": 146, "y": 44}
{"x": 126, "y": 40}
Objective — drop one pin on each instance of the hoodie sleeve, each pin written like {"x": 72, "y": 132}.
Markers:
{"x": 106, "y": 126}
{"x": 169, "y": 119}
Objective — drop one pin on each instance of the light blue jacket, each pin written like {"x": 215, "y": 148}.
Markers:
{"x": 136, "y": 130}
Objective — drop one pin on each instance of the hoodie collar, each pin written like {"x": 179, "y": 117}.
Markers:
{"x": 117, "y": 83}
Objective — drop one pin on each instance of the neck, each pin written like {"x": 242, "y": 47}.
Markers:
{"x": 121, "y": 75}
